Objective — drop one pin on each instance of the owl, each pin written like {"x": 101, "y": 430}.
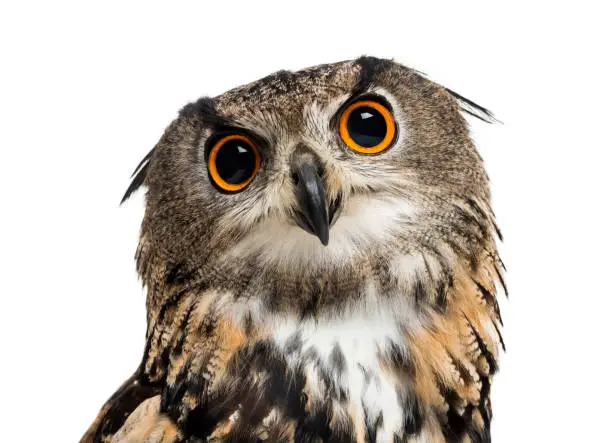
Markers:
{"x": 319, "y": 254}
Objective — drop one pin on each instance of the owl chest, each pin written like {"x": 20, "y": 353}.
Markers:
{"x": 342, "y": 362}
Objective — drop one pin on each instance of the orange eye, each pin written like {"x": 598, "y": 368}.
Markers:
{"x": 233, "y": 162}
{"x": 367, "y": 127}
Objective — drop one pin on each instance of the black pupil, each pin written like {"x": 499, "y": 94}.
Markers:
{"x": 235, "y": 162}
{"x": 366, "y": 126}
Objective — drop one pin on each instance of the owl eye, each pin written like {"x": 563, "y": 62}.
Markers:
{"x": 233, "y": 162}
{"x": 367, "y": 127}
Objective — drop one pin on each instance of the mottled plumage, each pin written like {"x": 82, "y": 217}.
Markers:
{"x": 259, "y": 332}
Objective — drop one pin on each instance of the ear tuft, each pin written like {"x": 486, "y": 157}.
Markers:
{"x": 138, "y": 176}
{"x": 473, "y": 109}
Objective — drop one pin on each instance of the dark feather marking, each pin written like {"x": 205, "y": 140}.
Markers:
{"x": 460, "y": 250}
{"x": 442, "y": 261}
{"x": 501, "y": 263}
{"x": 442, "y": 294}
{"x": 204, "y": 109}
{"x": 337, "y": 360}
{"x": 281, "y": 387}
{"x": 479, "y": 435}
{"x": 338, "y": 392}
{"x": 398, "y": 359}
{"x": 316, "y": 426}
{"x": 476, "y": 208}
{"x": 454, "y": 425}
{"x": 483, "y": 347}
{"x": 427, "y": 267}
{"x": 177, "y": 346}
{"x": 404, "y": 368}
{"x": 501, "y": 280}
{"x": 294, "y": 343}
{"x": 179, "y": 274}
{"x": 248, "y": 324}
{"x": 419, "y": 292}
{"x": 242, "y": 434}
{"x": 310, "y": 307}
{"x": 371, "y": 427}
{"x": 493, "y": 217}
{"x": 468, "y": 219}
{"x": 171, "y": 302}
{"x": 413, "y": 413}
{"x": 497, "y": 230}
{"x": 501, "y": 339}
{"x": 370, "y": 66}
{"x": 442, "y": 287}
{"x": 172, "y": 394}
{"x": 202, "y": 420}
{"x": 490, "y": 299}
{"x": 483, "y": 435}
{"x": 464, "y": 373}
{"x": 484, "y": 396}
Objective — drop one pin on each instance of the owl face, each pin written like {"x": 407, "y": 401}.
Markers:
{"x": 331, "y": 167}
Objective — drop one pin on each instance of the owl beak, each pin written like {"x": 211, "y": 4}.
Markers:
{"x": 312, "y": 215}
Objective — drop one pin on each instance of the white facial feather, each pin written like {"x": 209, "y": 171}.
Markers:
{"x": 366, "y": 221}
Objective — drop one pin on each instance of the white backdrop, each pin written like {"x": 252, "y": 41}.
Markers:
{"x": 87, "y": 89}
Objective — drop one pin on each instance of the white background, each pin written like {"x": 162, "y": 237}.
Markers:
{"x": 87, "y": 89}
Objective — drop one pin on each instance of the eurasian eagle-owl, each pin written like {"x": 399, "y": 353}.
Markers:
{"x": 318, "y": 249}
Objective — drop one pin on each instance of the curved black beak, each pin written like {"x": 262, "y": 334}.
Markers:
{"x": 312, "y": 199}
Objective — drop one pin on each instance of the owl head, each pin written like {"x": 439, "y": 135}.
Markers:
{"x": 340, "y": 171}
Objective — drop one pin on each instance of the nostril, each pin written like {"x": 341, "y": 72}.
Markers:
{"x": 295, "y": 178}
{"x": 320, "y": 171}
